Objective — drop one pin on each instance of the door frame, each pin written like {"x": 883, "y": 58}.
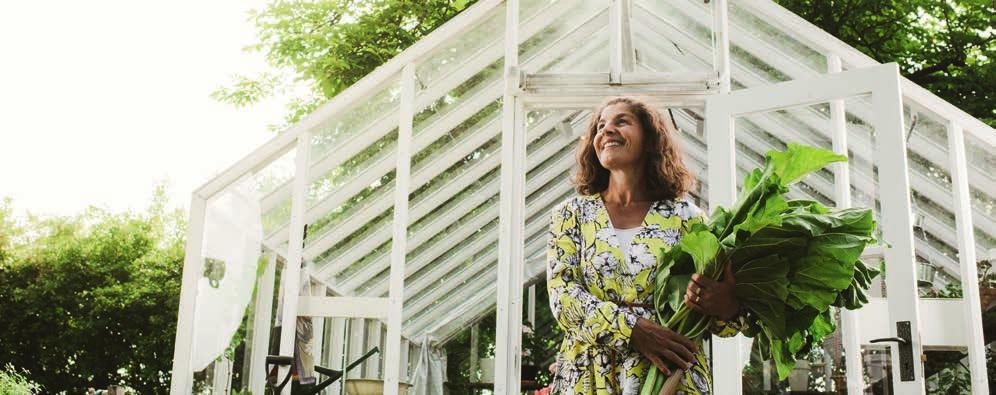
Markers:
{"x": 882, "y": 83}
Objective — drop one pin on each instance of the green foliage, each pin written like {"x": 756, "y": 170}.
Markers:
{"x": 331, "y": 44}
{"x": 91, "y": 300}
{"x": 946, "y": 46}
{"x": 13, "y": 382}
{"x": 792, "y": 261}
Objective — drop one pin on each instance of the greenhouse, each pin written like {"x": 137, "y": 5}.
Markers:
{"x": 413, "y": 208}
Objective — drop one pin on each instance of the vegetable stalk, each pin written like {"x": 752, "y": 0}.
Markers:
{"x": 792, "y": 260}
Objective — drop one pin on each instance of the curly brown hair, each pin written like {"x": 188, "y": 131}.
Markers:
{"x": 667, "y": 176}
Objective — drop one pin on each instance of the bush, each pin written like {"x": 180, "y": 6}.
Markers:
{"x": 91, "y": 300}
{"x": 13, "y": 382}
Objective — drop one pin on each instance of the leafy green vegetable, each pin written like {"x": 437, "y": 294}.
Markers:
{"x": 792, "y": 260}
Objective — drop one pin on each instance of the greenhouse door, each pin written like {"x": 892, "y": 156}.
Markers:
{"x": 857, "y": 112}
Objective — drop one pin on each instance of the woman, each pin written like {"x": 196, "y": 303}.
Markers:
{"x": 603, "y": 251}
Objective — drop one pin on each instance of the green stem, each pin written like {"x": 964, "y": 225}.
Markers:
{"x": 650, "y": 382}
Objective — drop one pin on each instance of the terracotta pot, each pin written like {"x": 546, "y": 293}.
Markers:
{"x": 370, "y": 387}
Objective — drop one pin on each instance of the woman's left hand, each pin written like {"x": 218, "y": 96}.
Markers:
{"x": 714, "y": 298}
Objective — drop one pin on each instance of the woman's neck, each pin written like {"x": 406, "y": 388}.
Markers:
{"x": 626, "y": 188}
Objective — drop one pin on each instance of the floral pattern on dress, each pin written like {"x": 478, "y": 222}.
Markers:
{"x": 593, "y": 284}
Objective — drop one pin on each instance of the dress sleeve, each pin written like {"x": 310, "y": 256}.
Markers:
{"x": 581, "y": 315}
{"x": 720, "y": 328}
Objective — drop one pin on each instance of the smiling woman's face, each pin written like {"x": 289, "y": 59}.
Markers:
{"x": 618, "y": 141}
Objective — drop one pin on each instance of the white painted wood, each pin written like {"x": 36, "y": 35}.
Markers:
{"x": 842, "y": 196}
{"x": 451, "y": 261}
{"x": 283, "y": 142}
{"x": 399, "y": 244}
{"x": 511, "y": 221}
{"x": 475, "y": 337}
{"x": 357, "y": 346}
{"x": 477, "y": 304}
{"x": 422, "y": 303}
{"x": 721, "y": 44}
{"x": 343, "y": 306}
{"x": 621, "y": 57}
{"x": 318, "y": 326}
{"x": 749, "y": 77}
{"x": 221, "y": 379}
{"x": 372, "y": 333}
{"x": 424, "y": 207}
{"x": 938, "y": 332}
{"x": 291, "y": 276}
{"x": 897, "y": 224}
{"x": 182, "y": 375}
{"x": 966, "y": 255}
{"x": 439, "y": 124}
{"x": 882, "y": 82}
{"x": 722, "y": 191}
{"x": 403, "y": 368}
{"x": 337, "y": 352}
{"x": 262, "y": 323}
{"x": 324, "y": 242}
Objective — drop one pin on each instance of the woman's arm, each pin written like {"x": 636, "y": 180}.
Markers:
{"x": 579, "y": 313}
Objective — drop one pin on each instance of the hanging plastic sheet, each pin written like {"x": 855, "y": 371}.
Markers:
{"x": 233, "y": 235}
{"x": 430, "y": 371}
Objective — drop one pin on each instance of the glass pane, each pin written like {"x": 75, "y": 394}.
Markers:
{"x": 877, "y": 363}
{"x": 752, "y": 37}
{"x": 353, "y": 160}
{"x": 672, "y": 35}
{"x": 566, "y": 39}
{"x": 930, "y": 187}
{"x": 759, "y": 133}
{"x": 981, "y": 158}
{"x": 372, "y": 117}
{"x": 470, "y": 50}
{"x": 273, "y": 183}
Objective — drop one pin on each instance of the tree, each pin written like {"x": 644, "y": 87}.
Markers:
{"x": 330, "y": 44}
{"x": 91, "y": 300}
{"x": 945, "y": 46}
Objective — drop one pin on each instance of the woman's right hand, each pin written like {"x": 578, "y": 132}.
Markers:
{"x": 657, "y": 343}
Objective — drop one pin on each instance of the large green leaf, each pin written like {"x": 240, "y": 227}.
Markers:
{"x": 792, "y": 259}
{"x": 799, "y": 160}
{"x": 762, "y": 286}
{"x": 702, "y": 246}
{"x": 676, "y": 286}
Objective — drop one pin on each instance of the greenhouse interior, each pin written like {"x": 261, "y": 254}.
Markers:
{"x": 398, "y": 233}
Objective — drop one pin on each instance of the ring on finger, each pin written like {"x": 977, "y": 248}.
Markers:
{"x": 698, "y": 291}
{"x": 697, "y": 298}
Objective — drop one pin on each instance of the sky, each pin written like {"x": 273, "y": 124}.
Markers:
{"x": 102, "y": 100}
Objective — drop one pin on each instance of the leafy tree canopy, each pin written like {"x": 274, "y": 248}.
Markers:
{"x": 91, "y": 300}
{"x": 945, "y": 46}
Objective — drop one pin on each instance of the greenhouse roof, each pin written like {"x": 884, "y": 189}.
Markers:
{"x": 453, "y": 210}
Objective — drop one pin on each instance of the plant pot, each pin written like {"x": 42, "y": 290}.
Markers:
{"x": 799, "y": 378}
{"x": 370, "y": 387}
{"x": 487, "y": 370}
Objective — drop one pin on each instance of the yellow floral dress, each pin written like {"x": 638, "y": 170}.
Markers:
{"x": 593, "y": 288}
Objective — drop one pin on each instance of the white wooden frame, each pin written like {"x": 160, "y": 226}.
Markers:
{"x": 544, "y": 91}
{"x": 508, "y": 334}
{"x": 882, "y": 83}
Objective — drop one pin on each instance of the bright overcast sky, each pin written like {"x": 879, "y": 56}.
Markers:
{"x": 101, "y": 100}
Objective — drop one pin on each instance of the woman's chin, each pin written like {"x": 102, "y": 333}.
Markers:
{"x": 611, "y": 163}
